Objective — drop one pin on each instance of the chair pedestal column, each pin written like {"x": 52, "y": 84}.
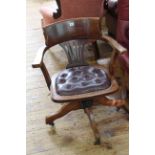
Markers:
{"x": 87, "y": 106}
{"x": 90, "y": 115}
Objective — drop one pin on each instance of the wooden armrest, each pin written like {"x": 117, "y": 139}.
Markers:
{"x": 119, "y": 49}
{"x": 114, "y": 43}
{"x": 37, "y": 63}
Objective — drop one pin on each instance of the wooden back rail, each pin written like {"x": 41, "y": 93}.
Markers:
{"x": 72, "y": 29}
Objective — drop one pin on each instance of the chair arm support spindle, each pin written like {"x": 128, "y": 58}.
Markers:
{"x": 39, "y": 57}
{"x": 38, "y": 63}
{"x": 112, "y": 63}
{"x": 118, "y": 47}
{"x": 46, "y": 75}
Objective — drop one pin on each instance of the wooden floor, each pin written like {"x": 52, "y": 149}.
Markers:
{"x": 73, "y": 135}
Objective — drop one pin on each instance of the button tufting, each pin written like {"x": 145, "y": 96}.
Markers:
{"x": 79, "y": 80}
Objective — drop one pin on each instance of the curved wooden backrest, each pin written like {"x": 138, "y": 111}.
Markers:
{"x": 72, "y": 29}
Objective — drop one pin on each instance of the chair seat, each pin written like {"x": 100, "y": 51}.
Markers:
{"x": 60, "y": 92}
{"x": 80, "y": 80}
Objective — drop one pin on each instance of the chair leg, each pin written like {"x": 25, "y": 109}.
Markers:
{"x": 65, "y": 109}
{"x": 96, "y": 52}
{"x": 110, "y": 102}
{"x": 89, "y": 113}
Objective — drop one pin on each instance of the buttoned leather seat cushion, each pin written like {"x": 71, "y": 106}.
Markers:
{"x": 79, "y": 80}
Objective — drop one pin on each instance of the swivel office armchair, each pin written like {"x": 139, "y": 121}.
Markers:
{"x": 79, "y": 85}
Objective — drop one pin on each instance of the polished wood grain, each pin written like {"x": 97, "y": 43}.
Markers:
{"x": 75, "y": 28}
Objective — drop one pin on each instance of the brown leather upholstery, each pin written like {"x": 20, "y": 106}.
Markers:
{"x": 123, "y": 23}
{"x": 79, "y": 80}
{"x": 111, "y": 6}
{"x": 123, "y": 31}
{"x": 117, "y": 19}
{"x": 111, "y": 16}
{"x": 74, "y": 9}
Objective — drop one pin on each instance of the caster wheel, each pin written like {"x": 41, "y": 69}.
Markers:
{"x": 97, "y": 141}
{"x": 52, "y": 124}
{"x": 49, "y": 122}
{"x": 118, "y": 109}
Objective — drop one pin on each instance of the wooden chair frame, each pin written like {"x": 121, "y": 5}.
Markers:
{"x": 78, "y": 31}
